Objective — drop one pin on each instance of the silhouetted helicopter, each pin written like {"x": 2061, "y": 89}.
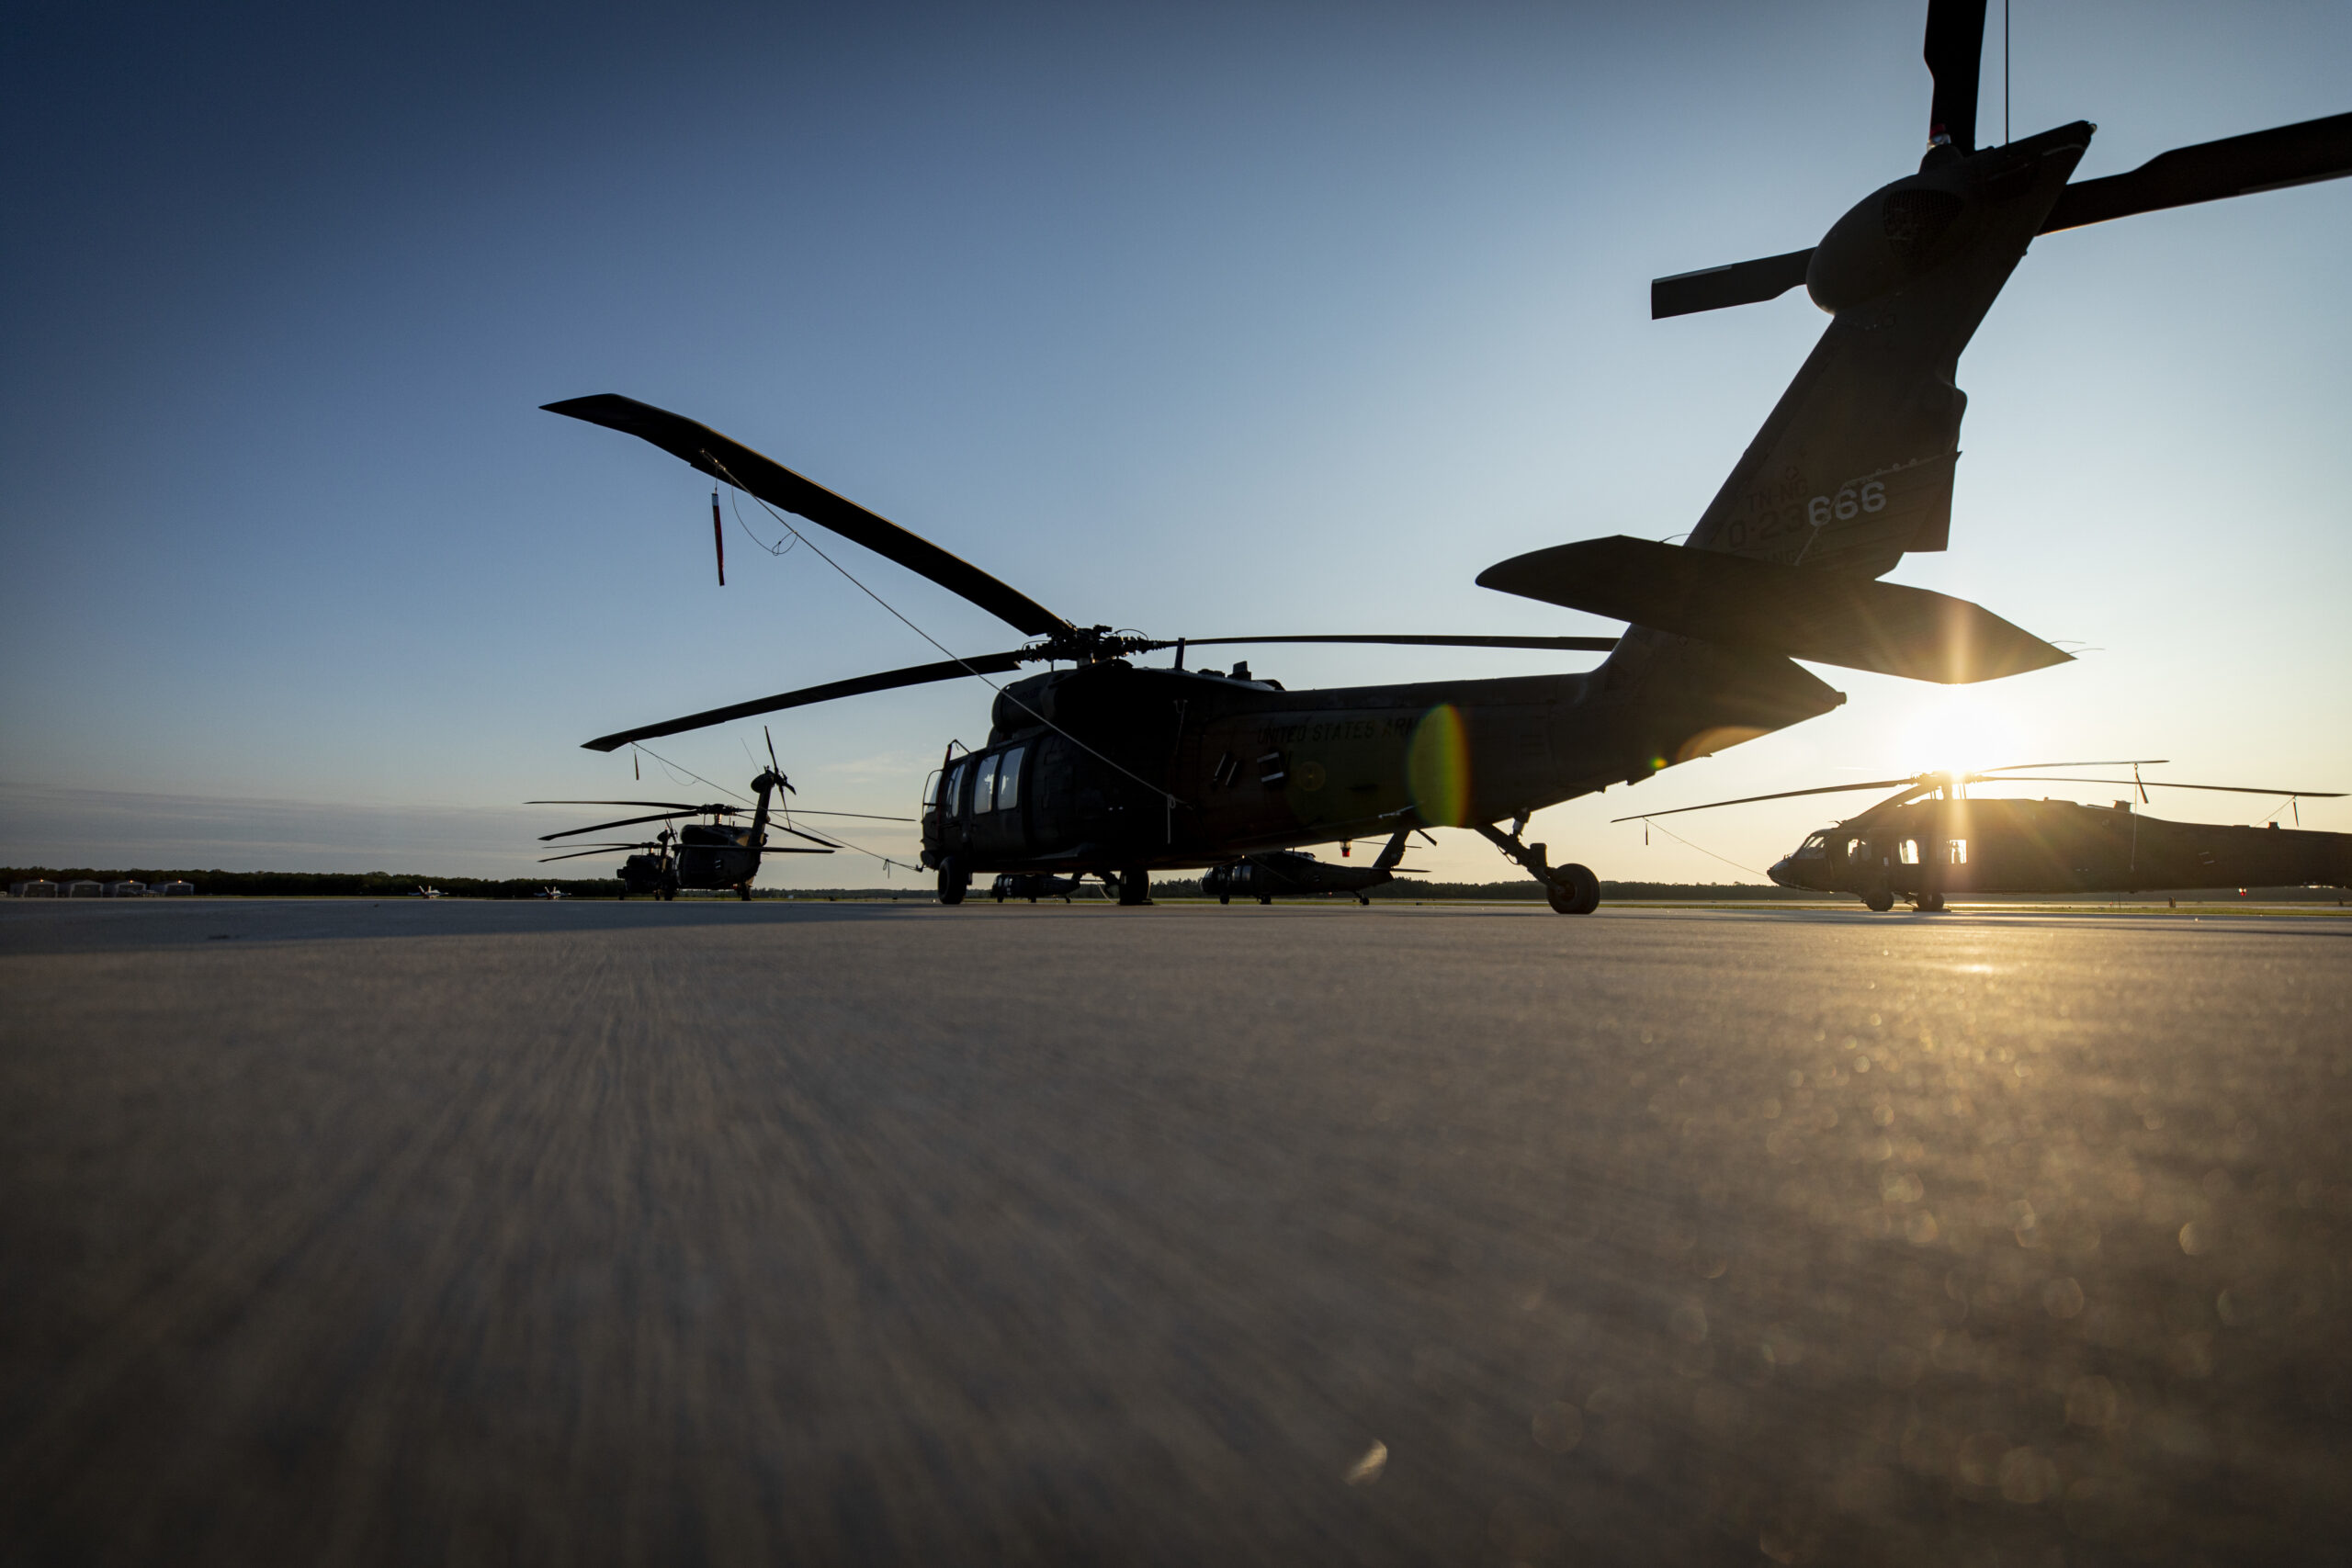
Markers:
{"x": 654, "y": 873}
{"x": 1035, "y": 887}
{"x": 1928, "y": 839}
{"x": 1292, "y": 873}
{"x": 712, "y": 855}
{"x": 1115, "y": 770}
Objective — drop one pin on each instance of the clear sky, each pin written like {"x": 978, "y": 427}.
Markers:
{"x": 1196, "y": 319}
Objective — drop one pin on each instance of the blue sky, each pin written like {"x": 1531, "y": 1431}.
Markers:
{"x": 1198, "y": 319}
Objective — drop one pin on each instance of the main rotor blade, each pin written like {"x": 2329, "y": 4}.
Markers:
{"x": 2021, "y": 767}
{"x": 1565, "y": 644}
{"x": 599, "y": 849}
{"x": 736, "y": 464}
{"x": 1955, "y": 56}
{"x": 675, "y": 804}
{"x": 2159, "y": 783}
{"x": 2236, "y": 165}
{"x": 1784, "y": 795}
{"x": 624, "y": 822}
{"x": 914, "y": 675}
{"x": 1739, "y": 283}
{"x": 829, "y": 845}
{"x": 867, "y": 816}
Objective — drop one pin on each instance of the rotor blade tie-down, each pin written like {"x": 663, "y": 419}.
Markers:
{"x": 720, "y": 469}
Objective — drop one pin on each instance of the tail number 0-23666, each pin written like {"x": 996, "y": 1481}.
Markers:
{"x": 1847, "y": 505}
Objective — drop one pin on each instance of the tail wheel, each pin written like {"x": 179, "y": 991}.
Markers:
{"x": 1574, "y": 890}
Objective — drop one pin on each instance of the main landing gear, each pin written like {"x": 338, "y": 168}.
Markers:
{"x": 1134, "y": 886}
{"x": 1571, "y": 889}
{"x": 954, "y": 881}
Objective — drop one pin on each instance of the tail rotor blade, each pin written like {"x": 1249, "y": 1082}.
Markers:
{"x": 2236, "y": 165}
{"x": 1715, "y": 288}
{"x": 1955, "y": 55}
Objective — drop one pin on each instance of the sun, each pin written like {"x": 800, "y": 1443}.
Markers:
{"x": 1956, "y": 729}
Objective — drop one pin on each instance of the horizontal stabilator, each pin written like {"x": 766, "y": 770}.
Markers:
{"x": 1857, "y": 622}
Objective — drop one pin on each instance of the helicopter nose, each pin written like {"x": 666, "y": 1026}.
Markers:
{"x": 1780, "y": 873}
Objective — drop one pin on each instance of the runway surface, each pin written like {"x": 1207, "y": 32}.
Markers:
{"x": 444, "y": 1232}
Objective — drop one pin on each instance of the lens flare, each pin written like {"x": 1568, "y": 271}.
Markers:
{"x": 1956, "y": 729}
{"x": 1438, "y": 768}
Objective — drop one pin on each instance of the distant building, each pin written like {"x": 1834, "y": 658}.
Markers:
{"x": 40, "y": 887}
{"x": 84, "y": 890}
{"x": 173, "y": 889}
{"x": 126, "y": 890}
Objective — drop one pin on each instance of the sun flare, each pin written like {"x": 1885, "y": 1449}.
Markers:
{"x": 1957, "y": 728}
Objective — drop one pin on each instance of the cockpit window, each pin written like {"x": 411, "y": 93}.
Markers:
{"x": 1814, "y": 848}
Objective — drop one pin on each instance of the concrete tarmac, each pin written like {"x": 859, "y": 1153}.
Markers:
{"x": 596, "y": 1232}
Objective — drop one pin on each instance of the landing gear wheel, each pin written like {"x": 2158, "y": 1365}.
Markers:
{"x": 1878, "y": 903}
{"x": 1930, "y": 904}
{"x": 1135, "y": 887}
{"x": 744, "y": 890}
{"x": 1362, "y": 900}
{"x": 1572, "y": 890}
{"x": 952, "y": 882}
{"x": 1225, "y": 897}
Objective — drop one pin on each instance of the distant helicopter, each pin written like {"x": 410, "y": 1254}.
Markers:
{"x": 1928, "y": 839}
{"x": 1035, "y": 887}
{"x": 713, "y": 855}
{"x": 1112, "y": 768}
{"x": 1292, "y": 871}
{"x": 655, "y": 874}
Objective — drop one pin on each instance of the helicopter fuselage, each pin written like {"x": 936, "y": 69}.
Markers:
{"x": 1932, "y": 848}
{"x": 1113, "y": 767}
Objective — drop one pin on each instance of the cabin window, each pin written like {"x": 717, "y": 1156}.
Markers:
{"x": 951, "y": 794}
{"x": 1814, "y": 848}
{"x": 1008, "y": 779}
{"x": 1956, "y": 851}
{"x": 1907, "y": 851}
{"x": 930, "y": 792}
{"x": 984, "y": 787}
{"x": 1853, "y": 848}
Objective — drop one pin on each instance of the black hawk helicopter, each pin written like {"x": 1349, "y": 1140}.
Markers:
{"x": 713, "y": 856}
{"x": 1294, "y": 872}
{"x": 1117, "y": 770}
{"x": 1928, "y": 839}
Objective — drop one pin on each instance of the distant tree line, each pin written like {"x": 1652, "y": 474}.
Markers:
{"x": 326, "y": 884}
